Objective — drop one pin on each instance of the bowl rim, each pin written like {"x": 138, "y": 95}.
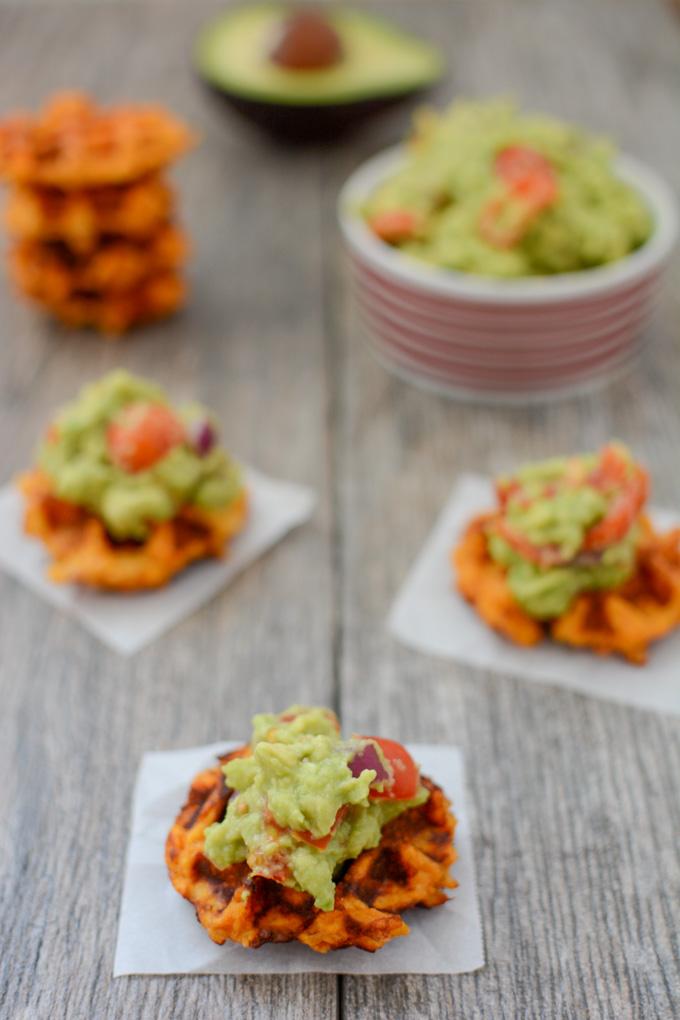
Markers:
{"x": 392, "y": 264}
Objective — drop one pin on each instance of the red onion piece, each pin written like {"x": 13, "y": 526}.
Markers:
{"x": 202, "y": 436}
{"x": 368, "y": 758}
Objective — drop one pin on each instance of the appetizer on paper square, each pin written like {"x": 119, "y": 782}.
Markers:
{"x": 301, "y": 835}
{"x": 128, "y": 490}
{"x": 569, "y": 553}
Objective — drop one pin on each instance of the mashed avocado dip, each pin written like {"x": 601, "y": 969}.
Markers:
{"x": 306, "y": 800}
{"x": 182, "y": 466}
{"x": 566, "y": 526}
{"x": 488, "y": 190}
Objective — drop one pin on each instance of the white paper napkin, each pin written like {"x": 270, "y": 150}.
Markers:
{"x": 127, "y": 622}
{"x": 158, "y": 932}
{"x": 429, "y": 615}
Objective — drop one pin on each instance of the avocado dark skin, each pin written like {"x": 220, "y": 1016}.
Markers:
{"x": 300, "y": 45}
{"x": 308, "y": 125}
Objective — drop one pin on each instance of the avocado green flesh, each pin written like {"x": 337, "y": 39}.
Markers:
{"x": 297, "y": 779}
{"x": 78, "y": 463}
{"x": 546, "y": 593}
{"x": 378, "y": 60}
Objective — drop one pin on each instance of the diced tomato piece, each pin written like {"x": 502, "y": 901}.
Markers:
{"x": 531, "y": 186}
{"x": 505, "y": 490}
{"x": 321, "y": 842}
{"x": 394, "y": 225}
{"x": 306, "y": 837}
{"x": 622, "y": 514}
{"x": 525, "y": 204}
{"x": 543, "y": 556}
{"x": 536, "y": 192}
{"x": 612, "y": 470}
{"x": 273, "y": 866}
{"x": 142, "y": 434}
{"x": 519, "y": 162}
{"x": 52, "y": 434}
{"x": 405, "y": 770}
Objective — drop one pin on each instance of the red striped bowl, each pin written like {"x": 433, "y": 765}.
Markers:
{"x": 508, "y": 341}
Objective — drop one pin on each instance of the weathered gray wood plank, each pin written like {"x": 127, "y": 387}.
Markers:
{"x": 75, "y": 717}
{"x": 576, "y": 815}
{"x": 575, "y": 801}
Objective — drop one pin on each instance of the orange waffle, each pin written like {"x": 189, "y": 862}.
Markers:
{"x": 73, "y": 143}
{"x": 83, "y": 552}
{"x": 51, "y": 274}
{"x": 641, "y": 611}
{"x": 409, "y": 868}
{"x": 81, "y": 219}
{"x": 91, "y": 213}
{"x": 625, "y": 620}
{"x": 113, "y": 314}
{"x": 482, "y": 582}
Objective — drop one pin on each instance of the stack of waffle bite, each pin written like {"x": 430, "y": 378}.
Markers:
{"x": 90, "y": 212}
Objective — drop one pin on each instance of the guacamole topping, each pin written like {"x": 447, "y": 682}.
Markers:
{"x": 306, "y": 800}
{"x": 488, "y": 190}
{"x": 122, "y": 452}
{"x": 568, "y": 525}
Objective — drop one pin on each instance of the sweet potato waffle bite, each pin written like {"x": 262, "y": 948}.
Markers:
{"x": 154, "y": 298}
{"x": 51, "y": 273}
{"x": 571, "y": 555}
{"x": 85, "y": 553}
{"x": 72, "y": 143}
{"x": 81, "y": 218}
{"x": 91, "y": 214}
{"x": 128, "y": 491}
{"x": 253, "y": 879}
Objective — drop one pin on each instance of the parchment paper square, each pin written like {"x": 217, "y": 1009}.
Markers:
{"x": 158, "y": 932}
{"x": 128, "y": 622}
{"x": 430, "y": 616}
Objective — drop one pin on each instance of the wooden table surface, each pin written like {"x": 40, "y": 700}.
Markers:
{"x": 574, "y": 801}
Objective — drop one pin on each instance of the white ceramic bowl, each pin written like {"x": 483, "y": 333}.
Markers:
{"x": 509, "y": 341}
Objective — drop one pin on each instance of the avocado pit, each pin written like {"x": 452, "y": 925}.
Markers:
{"x": 307, "y": 42}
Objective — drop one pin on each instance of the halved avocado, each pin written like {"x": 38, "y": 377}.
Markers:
{"x": 376, "y": 66}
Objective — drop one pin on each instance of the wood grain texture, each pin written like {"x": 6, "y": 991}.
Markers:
{"x": 576, "y": 819}
{"x": 76, "y": 718}
{"x": 575, "y": 808}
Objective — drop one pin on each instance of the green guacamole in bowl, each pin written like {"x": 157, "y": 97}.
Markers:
{"x": 488, "y": 190}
